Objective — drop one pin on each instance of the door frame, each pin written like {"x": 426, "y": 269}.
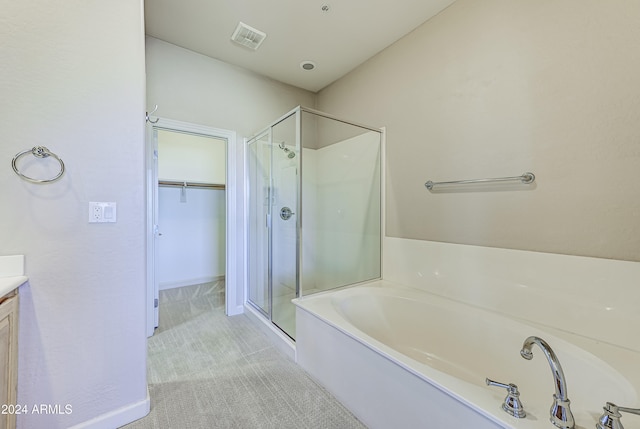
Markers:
{"x": 232, "y": 250}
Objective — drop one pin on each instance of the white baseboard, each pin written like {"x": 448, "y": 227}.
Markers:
{"x": 119, "y": 417}
{"x": 234, "y": 311}
{"x": 188, "y": 282}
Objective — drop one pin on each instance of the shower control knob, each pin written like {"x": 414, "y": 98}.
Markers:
{"x": 286, "y": 213}
{"x": 512, "y": 404}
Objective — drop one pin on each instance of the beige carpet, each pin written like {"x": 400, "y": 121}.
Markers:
{"x": 207, "y": 370}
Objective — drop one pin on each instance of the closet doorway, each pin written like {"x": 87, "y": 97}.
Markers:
{"x": 188, "y": 209}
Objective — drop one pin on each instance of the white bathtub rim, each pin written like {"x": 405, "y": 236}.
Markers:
{"x": 379, "y": 404}
{"x": 481, "y": 399}
{"x": 444, "y": 382}
{"x": 381, "y": 283}
{"x": 399, "y": 359}
{"x": 440, "y": 380}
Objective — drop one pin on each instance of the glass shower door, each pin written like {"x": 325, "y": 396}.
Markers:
{"x": 273, "y": 168}
{"x": 259, "y": 172}
{"x": 329, "y": 170}
{"x": 284, "y": 224}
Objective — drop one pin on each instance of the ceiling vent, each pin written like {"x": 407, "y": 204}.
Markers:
{"x": 248, "y": 36}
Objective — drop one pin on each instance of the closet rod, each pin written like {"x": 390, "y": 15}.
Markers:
{"x": 177, "y": 184}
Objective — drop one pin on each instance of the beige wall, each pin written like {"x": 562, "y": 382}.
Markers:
{"x": 193, "y": 88}
{"x": 496, "y": 88}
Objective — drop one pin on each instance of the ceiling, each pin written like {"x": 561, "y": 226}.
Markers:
{"x": 337, "y": 40}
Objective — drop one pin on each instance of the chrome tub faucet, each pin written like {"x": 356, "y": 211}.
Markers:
{"x": 561, "y": 415}
{"x": 611, "y": 417}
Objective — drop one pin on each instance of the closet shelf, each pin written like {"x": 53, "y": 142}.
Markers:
{"x": 177, "y": 184}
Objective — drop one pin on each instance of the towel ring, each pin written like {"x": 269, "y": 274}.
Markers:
{"x": 38, "y": 152}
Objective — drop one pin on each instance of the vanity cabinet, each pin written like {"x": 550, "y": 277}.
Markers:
{"x": 8, "y": 359}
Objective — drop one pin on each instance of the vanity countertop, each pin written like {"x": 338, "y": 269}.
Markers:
{"x": 11, "y": 273}
{"x": 8, "y": 284}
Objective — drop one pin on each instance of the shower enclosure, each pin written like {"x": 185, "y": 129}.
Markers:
{"x": 314, "y": 210}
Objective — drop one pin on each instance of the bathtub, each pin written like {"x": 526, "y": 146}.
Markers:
{"x": 400, "y": 357}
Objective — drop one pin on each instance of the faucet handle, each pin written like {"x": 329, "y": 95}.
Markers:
{"x": 512, "y": 404}
{"x": 611, "y": 417}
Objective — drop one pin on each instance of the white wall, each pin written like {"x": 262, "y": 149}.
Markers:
{"x": 191, "y": 249}
{"x": 191, "y": 158}
{"x": 72, "y": 78}
{"x": 495, "y": 88}
{"x": 197, "y": 89}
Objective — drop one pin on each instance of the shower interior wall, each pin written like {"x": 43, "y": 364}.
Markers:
{"x": 340, "y": 204}
{"x": 341, "y": 222}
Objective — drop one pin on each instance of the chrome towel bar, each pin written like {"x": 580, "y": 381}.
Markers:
{"x": 526, "y": 178}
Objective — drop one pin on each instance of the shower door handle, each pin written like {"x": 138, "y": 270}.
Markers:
{"x": 286, "y": 213}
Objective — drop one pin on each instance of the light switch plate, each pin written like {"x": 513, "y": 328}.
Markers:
{"x": 100, "y": 212}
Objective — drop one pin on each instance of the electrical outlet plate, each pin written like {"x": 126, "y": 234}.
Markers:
{"x": 100, "y": 212}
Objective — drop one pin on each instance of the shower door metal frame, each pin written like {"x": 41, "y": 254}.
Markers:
{"x": 297, "y": 111}
{"x": 269, "y": 131}
{"x": 267, "y": 314}
{"x": 335, "y": 118}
